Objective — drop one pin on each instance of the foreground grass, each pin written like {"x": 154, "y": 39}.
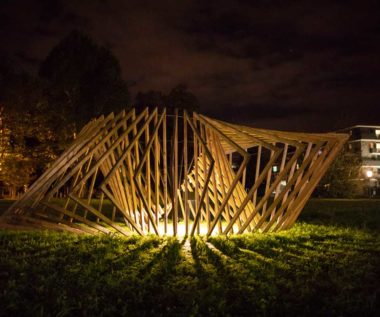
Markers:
{"x": 327, "y": 265}
{"x": 310, "y": 269}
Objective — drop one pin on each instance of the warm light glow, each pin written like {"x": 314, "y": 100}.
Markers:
{"x": 369, "y": 173}
{"x": 181, "y": 229}
{"x": 171, "y": 174}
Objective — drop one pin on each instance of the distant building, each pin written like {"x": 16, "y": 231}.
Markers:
{"x": 365, "y": 140}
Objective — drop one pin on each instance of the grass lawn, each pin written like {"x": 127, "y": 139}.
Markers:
{"x": 328, "y": 264}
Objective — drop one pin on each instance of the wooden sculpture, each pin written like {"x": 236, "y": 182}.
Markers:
{"x": 177, "y": 174}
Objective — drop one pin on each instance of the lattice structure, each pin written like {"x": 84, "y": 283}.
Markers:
{"x": 178, "y": 175}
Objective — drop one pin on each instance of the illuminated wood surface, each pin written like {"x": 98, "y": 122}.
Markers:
{"x": 177, "y": 174}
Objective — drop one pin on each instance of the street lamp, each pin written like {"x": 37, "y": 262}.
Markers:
{"x": 369, "y": 173}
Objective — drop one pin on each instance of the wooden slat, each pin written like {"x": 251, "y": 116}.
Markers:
{"x": 128, "y": 155}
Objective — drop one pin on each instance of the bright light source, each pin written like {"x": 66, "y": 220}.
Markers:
{"x": 181, "y": 229}
{"x": 369, "y": 173}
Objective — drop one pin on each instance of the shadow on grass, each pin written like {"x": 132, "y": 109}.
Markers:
{"x": 334, "y": 276}
{"x": 210, "y": 296}
{"x": 313, "y": 270}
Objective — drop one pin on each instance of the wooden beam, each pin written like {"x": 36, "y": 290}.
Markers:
{"x": 124, "y": 158}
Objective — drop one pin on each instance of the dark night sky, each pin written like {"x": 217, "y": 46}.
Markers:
{"x": 304, "y": 65}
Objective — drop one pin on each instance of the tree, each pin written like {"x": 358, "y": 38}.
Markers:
{"x": 27, "y": 142}
{"x": 178, "y": 98}
{"x": 78, "y": 80}
{"x": 16, "y": 172}
{"x": 342, "y": 180}
{"x": 83, "y": 80}
{"x": 151, "y": 98}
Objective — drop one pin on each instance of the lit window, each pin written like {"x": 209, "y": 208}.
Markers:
{"x": 377, "y": 132}
{"x": 378, "y": 146}
{"x": 275, "y": 169}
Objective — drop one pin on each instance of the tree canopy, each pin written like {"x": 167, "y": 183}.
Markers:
{"x": 78, "y": 80}
{"x": 83, "y": 80}
{"x": 342, "y": 178}
{"x": 178, "y": 98}
{"x": 27, "y": 141}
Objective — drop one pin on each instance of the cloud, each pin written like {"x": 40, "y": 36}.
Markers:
{"x": 263, "y": 111}
{"x": 278, "y": 62}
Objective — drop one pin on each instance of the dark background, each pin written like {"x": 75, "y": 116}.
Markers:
{"x": 297, "y": 65}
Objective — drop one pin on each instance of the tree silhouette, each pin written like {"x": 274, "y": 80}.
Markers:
{"x": 342, "y": 178}
{"x": 83, "y": 80}
{"x": 28, "y": 141}
{"x": 151, "y": 98}
{"x": 178, "y": 98}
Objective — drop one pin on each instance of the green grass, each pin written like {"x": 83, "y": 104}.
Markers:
{"x": 363, "y": 214}
{"x": 328, "y": 264}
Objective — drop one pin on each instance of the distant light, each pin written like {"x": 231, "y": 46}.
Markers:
{"x": 275, "y": 169}
{"x": 369, "y": 173}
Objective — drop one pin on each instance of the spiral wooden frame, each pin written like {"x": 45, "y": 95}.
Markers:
{"x": 177, "y": 175}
